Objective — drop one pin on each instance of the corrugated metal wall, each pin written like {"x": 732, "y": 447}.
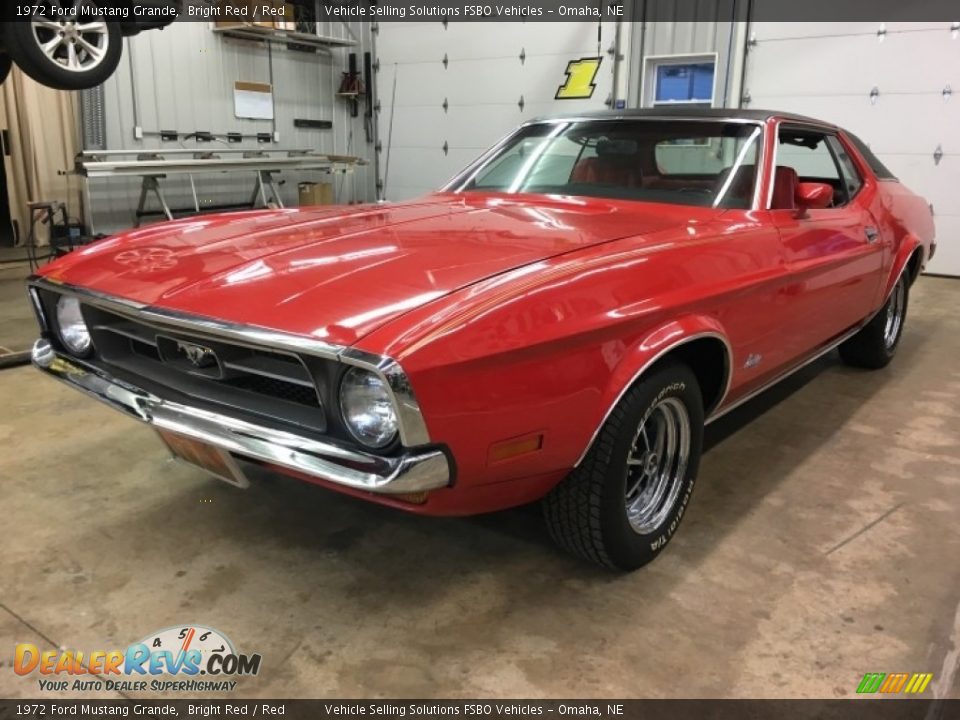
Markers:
{"x": 716, "y": 32}
{"x": 182, "y": 78}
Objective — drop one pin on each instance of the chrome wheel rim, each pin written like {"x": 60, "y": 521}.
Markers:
{"x": 72, "y": 44}
{"x": 895, "y": 308}
{"x": 657, "y": 465}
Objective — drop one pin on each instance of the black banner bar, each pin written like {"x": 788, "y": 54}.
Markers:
{"x": 149, "y": 12}
{"x": 860, "y": 709}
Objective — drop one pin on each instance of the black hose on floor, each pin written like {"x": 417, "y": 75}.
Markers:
{"x": 15, "y": 359}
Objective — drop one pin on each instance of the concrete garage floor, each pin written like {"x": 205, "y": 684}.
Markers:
{"x": 18, "y": 324}
{"x": 822, "y": 542}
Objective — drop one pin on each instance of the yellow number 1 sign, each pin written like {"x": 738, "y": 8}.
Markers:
{"x": 580, "y": 79}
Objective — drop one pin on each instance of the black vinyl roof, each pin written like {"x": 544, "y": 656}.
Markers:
{"x": 688, "y": 112}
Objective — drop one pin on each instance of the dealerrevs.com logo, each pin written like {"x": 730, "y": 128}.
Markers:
{"x": 191, "y": 658}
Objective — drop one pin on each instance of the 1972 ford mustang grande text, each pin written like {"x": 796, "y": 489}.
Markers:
{"x": 559, "y": 322}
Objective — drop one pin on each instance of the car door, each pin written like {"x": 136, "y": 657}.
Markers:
{"x": 832, "y": 255}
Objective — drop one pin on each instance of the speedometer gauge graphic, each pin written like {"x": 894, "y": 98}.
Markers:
{"x": 181, "y": 639}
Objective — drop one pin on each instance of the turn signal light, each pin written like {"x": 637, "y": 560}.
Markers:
{"x": 514, "y": 447}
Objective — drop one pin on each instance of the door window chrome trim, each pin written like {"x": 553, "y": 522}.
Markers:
{"x": 413, "y": 428}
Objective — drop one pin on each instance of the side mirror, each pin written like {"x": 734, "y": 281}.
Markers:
{"x": 814, "y": 196}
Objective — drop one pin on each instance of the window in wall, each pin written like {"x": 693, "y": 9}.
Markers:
{"x": 686, "y": 83}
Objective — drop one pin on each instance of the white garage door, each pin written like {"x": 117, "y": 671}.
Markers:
{"x": 489, "y": 69}
{"x": 896, "y": 85}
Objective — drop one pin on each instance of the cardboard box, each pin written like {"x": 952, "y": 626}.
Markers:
{"x": 312, "y": 193}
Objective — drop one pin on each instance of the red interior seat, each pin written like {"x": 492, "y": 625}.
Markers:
{"x": 785, "y": 184}
{"x": 604, "y": 171}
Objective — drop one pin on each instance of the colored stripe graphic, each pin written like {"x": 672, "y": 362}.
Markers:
{"x": 871, "y": 682}
{"x": 918, "y": 683}
{"x": 894, "y": 683}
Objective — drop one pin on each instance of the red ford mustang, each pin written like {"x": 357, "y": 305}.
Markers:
{"x": 558, "y": 323}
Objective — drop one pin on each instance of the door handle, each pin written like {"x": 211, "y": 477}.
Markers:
{"x": 872, "y": 234}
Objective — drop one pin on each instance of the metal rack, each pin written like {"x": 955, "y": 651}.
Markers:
{"x": 277, "y": 35}
{"x": 152, "y": 167}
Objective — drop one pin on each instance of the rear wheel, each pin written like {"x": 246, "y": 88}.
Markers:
{"x": 65, "y": 54}
{"x": 876, "y": 343}
{"x": 621, "y": 506}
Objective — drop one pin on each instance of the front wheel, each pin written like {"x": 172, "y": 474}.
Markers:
{"x": 621, "y": 506}
{"x": 876, "y": 343}
{"x": 65, "y": 54}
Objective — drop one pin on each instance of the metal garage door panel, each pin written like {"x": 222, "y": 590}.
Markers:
{"x": 477, "y": 127}
{"x": 542, "y": 76}
{"x": 780, "y": 30}
{"x": 947, "y": 259}
{"x": 417, "y": 84}
{"x": 502, "y": 81}
{"x": 394, "y": 42}
{"x": 413, "y": 170}
{"x": 416, "y": 127}
{"x": 938, "y": 184}
{"x": 907, "y": 62}
{"x": 483, "y": 82}
{"x": 416, "y": 172}
{"x": 473, "y": 128}
{"x": 788, "y": 30}
{"x": 471, "y": 41}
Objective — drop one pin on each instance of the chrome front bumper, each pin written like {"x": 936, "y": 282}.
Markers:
{"x": 411, "y": 472}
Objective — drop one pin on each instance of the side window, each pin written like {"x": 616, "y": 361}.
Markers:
{"x": 851, "y": 176}
{"x": 809, "y": 154}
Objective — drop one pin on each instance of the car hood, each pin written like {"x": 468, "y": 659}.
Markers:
{"x": 337, "y": 274}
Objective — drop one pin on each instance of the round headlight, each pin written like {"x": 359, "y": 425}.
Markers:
{"x": 71, "y": 327}
{"x": 367, "y": 408}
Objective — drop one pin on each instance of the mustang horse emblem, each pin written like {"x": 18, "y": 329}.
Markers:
{"x": 198, "y": 355}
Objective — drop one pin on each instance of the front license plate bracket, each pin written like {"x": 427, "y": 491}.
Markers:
{"x": 207, "y": 457}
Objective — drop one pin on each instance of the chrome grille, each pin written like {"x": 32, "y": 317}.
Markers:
{"x": 249, "y": 380}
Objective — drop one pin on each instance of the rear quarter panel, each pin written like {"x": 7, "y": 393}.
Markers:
{"x": 905, "y": 218}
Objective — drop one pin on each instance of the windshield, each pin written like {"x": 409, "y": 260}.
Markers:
{"x": 711, "y": 164}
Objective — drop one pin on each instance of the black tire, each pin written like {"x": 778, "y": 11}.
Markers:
{"x": 876, "y": 343}
{"x": 587, "y": 513}
{"x": 5, "y": 65}
{"x": 22, "y": 40}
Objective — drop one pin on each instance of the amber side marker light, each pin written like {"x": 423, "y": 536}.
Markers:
{"x": 515, "y": 447}
{"x": 413, "y": 498}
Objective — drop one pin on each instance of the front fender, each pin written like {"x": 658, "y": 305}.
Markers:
{"x": 654, "y": 347}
